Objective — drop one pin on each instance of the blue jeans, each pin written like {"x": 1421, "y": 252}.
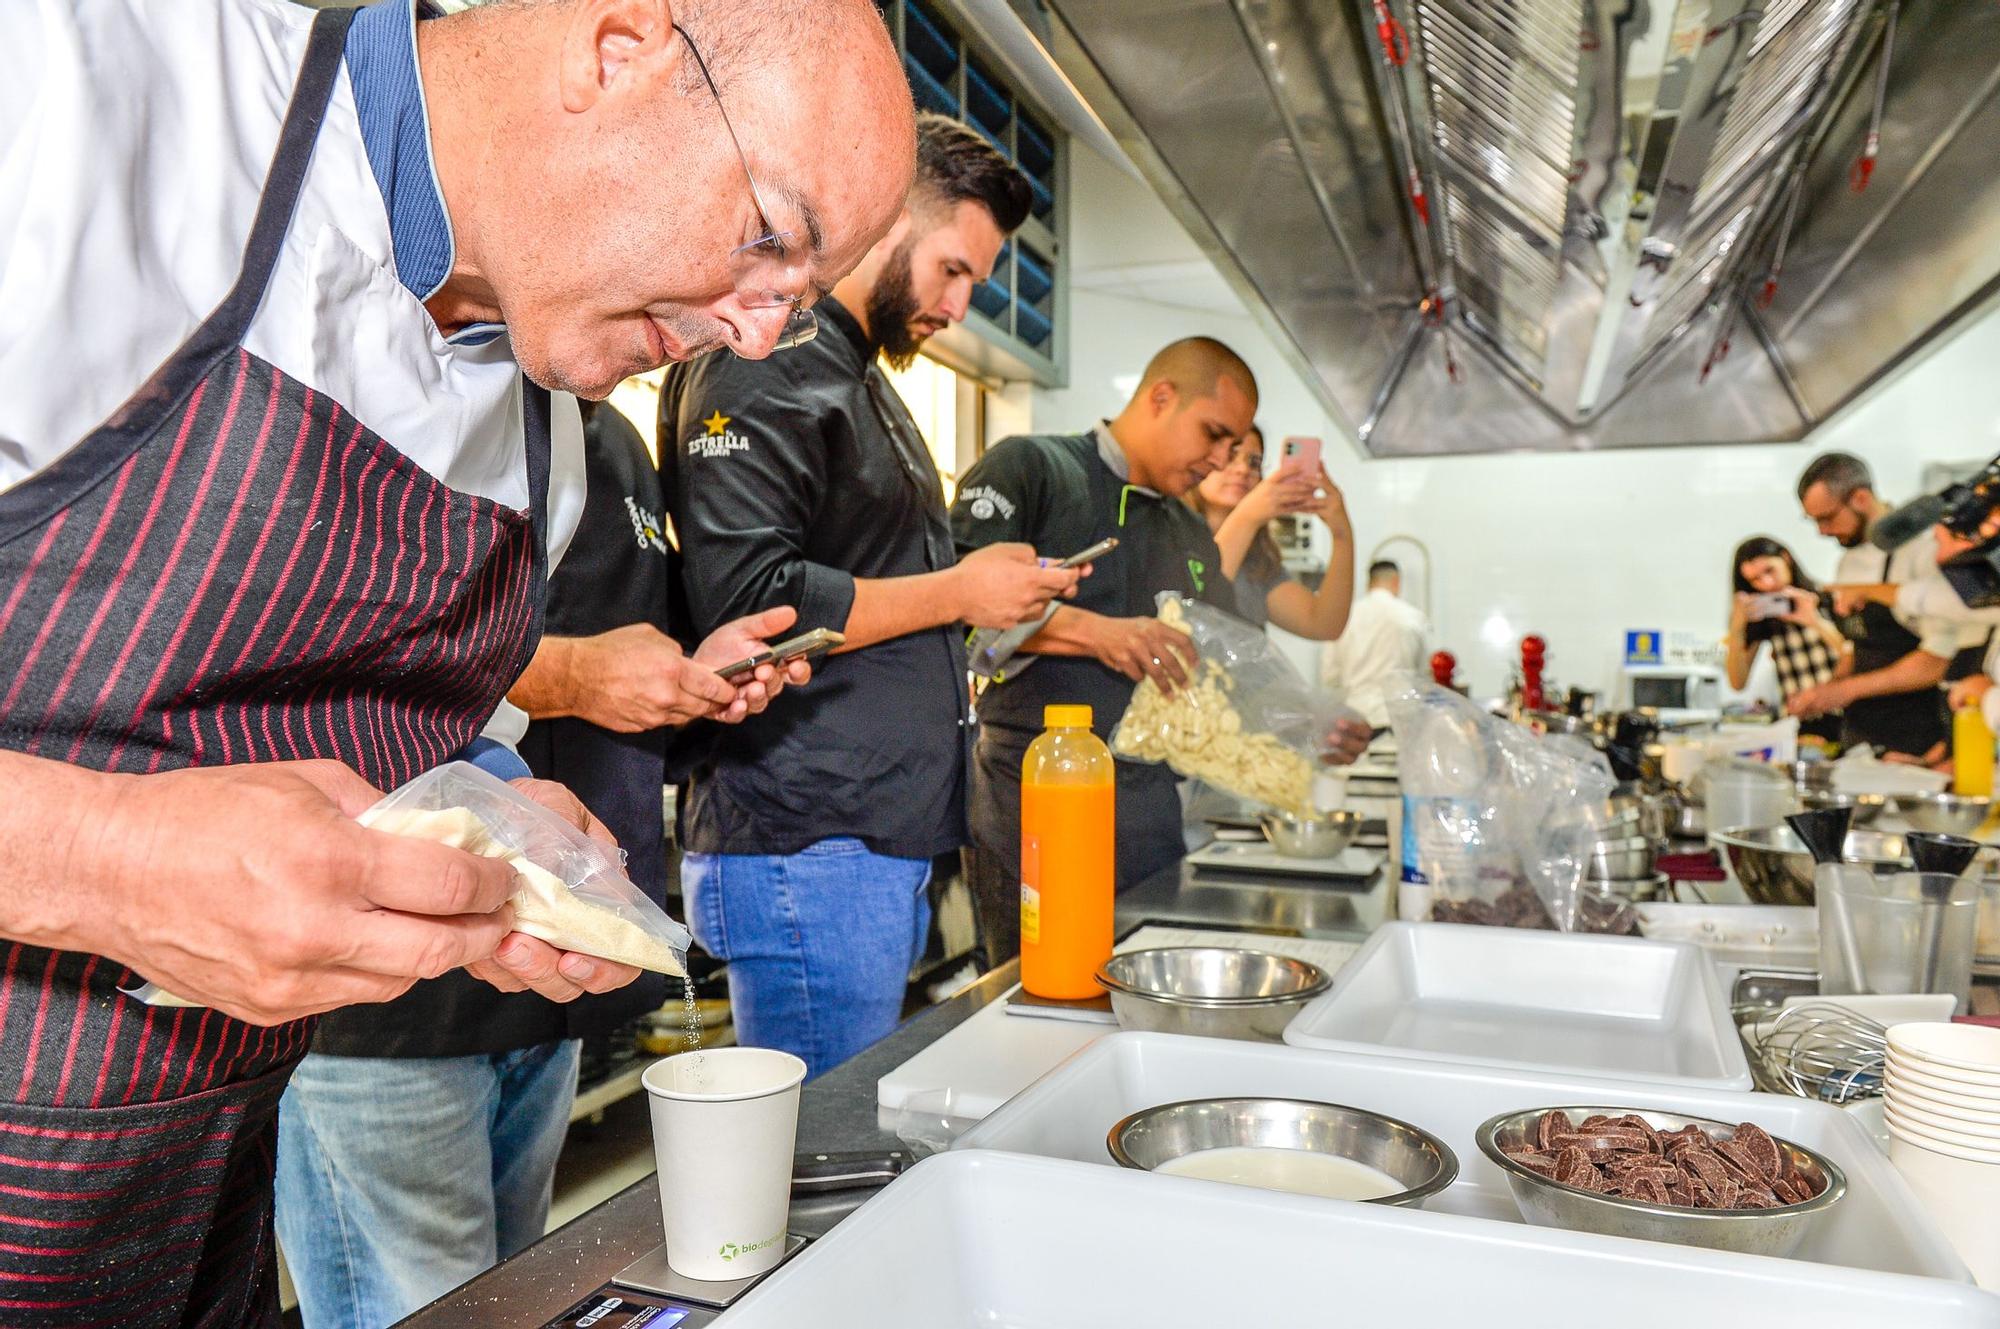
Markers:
{"x": 819, "y": 943}
{"x": 399, "y": 1179}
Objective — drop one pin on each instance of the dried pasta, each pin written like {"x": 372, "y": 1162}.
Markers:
{"x": 1200, "y": 733}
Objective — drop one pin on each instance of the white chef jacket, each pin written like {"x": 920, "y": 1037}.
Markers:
{"x": 1915, "y": 562}
{"x": 1384, "y": 637}
{"x": 135, "y": 136}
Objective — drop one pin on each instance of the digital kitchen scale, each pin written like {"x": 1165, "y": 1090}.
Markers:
{"x": 651, "y": 1273}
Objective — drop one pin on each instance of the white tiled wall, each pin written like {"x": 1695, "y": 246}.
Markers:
{"x": 1577, "y": 547}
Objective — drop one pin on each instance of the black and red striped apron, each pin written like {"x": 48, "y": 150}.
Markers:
{"x": 232, "y": 569}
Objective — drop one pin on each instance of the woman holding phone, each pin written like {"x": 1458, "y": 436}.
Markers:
{"x": 1240, "y": 502}
{"x": 1776, "y": 602}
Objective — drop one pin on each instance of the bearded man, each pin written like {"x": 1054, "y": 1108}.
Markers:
{"x": 803, "y": 481}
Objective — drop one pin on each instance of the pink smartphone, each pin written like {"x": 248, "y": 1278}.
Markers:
{"x": 1301, "y": 456}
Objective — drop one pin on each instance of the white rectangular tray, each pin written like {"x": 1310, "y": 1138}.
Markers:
{"x": 1879, "y": 1225}
{"x": 1612, "y": 1006}
{"x": 1351, "y": 867}
{"x": 1746, "y": 935}
{"x": 1001, "y": 1240}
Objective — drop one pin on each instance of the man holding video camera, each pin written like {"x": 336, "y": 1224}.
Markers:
{"x": 1887, "y": 687}
{"x": 1962, "y": 523}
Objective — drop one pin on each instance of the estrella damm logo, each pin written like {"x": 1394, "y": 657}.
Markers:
{"x": 717, "y": 439}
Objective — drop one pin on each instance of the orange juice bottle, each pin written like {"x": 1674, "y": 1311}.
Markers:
{"x": 1972, "y": 752}
{"x": 1068, "y": 820}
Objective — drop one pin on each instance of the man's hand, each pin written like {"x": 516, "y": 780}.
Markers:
{"x": 1969, "y": 692}
{"x": 741, "y": 639}
{"x": 1936, "y": 758}
{"x": 1811, "y": 703}
{"x": 1345, "y": 741}
{"x": 636, "y": 678}
{"x": 1002, "y": 585}
{"x": 1852, "y": 599}
{"x": 524, "y": 962}
{"x": 1142, "y": 648}
{"x": 252, "y": 889}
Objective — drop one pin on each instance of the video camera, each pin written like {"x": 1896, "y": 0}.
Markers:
{"x": 1961, "y": 508}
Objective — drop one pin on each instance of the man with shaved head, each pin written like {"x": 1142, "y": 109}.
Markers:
{"x": 1062, "y": 493}
{"x": 281, "y": 478}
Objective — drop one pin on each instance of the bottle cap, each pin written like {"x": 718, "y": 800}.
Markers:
{"x": 1066, "y": 717}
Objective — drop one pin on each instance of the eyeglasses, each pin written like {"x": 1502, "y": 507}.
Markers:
{"x": 801, "y": 325}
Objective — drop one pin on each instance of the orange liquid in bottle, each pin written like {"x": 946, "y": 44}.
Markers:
{"x": 1068, "y": 859}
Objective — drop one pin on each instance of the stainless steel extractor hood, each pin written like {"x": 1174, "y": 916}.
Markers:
{"x": 1499, "y": 224}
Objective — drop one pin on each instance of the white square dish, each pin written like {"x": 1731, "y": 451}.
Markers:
{"x": 1615, "y": 1007}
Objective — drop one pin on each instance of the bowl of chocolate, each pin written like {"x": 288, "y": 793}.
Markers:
{"x": 1663, "y": 1177}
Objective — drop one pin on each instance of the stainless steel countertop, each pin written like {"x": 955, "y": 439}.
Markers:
{"x": 837, "y": 1111}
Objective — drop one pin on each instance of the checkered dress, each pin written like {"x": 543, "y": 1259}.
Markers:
{"x": 1802, "y": 656}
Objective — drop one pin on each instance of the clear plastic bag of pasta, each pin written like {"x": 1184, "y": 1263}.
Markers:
{"x": 1247, "y": 722}
{"x": 569, "y": 890}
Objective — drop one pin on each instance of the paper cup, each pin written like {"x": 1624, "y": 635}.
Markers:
{"x": 1929, "y": 1079}
{"x": 1961, "y": 1195}
{"x": 1973, "y": 1111}
{"x": 1969, "y": 1049}
{"x": 725, "y": 1127}
{"x": 1915, "y": 1121}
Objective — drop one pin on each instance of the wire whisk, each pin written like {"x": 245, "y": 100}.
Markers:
{"x": 1819, "y": 1050}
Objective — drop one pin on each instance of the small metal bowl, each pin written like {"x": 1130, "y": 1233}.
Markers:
{"x": 1416, "y": 1158}
{"x": 1944, "y": 814}
{"x": 1867, "y": 807}
{"x": 1322, "y": 836}
{"x": 1633, "y": 890}
{"x": 1621, "y": 860}
{"x": 1548, "y": 1203}
{"x": 1213, "y": 991}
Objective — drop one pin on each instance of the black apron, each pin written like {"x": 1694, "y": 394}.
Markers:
{"x": 232, "y": 569}
{"x": 1910, "y": 722}
{"x": 1148, "y": 838}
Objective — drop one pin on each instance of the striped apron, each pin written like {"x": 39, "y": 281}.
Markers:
{"x": 232, "y": 569}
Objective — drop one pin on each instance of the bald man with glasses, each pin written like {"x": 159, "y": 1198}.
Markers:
{"x": 285, "y": 460}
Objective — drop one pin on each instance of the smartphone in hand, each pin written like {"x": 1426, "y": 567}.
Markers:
{"x": 1301, "y": 457}
{"x": 1772, "y": 604}
{"x": 804, "y": 646}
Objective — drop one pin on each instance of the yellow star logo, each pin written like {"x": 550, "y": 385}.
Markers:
{"x": 716, "y": 424}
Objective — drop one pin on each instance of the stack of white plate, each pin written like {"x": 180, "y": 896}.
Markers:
{"x": 1942, "y": 1107}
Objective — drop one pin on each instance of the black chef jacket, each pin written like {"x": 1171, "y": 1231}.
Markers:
{"x": 614, "y": 574}
{"x": 788, "y": 478}
{"x": 1063, "y": 494}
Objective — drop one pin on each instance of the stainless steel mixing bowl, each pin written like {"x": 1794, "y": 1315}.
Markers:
{"x": 1416, "y": 1158}
{"x": 1943, "y": 814}
{"x": 1322, "y": 836}
{"x": 1776, "y": 868}
{"x": 1215, "y": 991}
{"x": 1548, "y": 1203}
{"x": 1867, "y": 807}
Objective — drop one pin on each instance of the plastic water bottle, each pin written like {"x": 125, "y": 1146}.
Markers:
{"x": 1068, "y": 856}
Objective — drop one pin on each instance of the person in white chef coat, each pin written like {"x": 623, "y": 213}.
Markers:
{"x": 1384, "y": 638}
{"x": 281, "y": 476}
